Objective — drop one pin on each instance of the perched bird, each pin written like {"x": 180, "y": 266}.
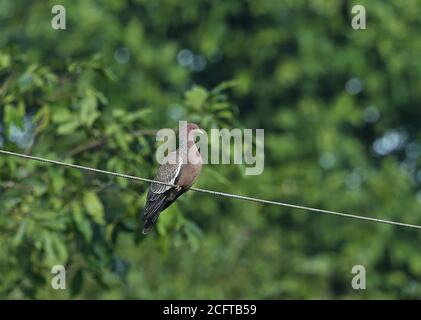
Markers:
{"x": 181, "y": 168}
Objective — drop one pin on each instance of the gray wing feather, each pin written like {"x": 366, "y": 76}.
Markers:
{"x": 168, "y": 173}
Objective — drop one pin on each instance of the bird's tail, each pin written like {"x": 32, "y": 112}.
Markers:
{"x": 151, "y": 214}
{"x": 149, "y": 223}
{"x": 147, "y": 227}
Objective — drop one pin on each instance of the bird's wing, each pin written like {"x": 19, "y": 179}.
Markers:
{"x": 168, "y": 173}
{"x": 160, "y": 196}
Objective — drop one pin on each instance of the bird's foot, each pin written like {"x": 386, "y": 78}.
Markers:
{"x": 178, "y": 188}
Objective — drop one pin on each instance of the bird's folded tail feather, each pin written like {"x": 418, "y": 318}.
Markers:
{"x": 151, "y": 213}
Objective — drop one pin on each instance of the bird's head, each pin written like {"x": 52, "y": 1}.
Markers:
{"x": 189, "y": 132}
{"x": 194, "y": 129}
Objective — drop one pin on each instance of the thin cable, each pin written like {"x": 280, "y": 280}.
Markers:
{"x": 218, "y": 193}
{"x": 75, "y": 166}
{"x": 335, "y": 213}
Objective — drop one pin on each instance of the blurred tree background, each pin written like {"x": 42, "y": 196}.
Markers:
{"x": 340, "y": 109}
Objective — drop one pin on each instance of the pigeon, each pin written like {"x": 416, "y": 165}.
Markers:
{"x": 180, "y": 168}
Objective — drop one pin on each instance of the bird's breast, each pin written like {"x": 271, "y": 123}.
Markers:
{"x": 191, "y": 172}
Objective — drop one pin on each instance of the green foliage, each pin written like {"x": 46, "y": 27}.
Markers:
{"x": 342, "y": 132}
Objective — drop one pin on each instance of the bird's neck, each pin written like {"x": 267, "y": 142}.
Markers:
{"x": 189, "y": 149}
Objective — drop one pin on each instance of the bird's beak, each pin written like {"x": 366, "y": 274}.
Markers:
{"x": 198, "y": 133}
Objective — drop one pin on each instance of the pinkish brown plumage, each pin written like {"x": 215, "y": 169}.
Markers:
{"x": 181, "y": 168}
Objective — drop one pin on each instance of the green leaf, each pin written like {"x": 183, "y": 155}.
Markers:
{"x": 224, "y": 86}
{"x": 5, "y": 61}
{"x": 109, "y": 233}
{"x": 26, "y": 81}
{"x": 225, "y": 115}
{"x": 17, "y": 240}
{"x": 196, "y": 97}
{"x": 109, "y": 74}
{"x": 42, "y": 118}
{"x": 14, "y": 115}
{"x": 60, "y": 248}
{"x": 88, "y": 109}
{"x": 61, "y": 115}
{"x": 141, "y": 114}
{"x": 50, "y": 256}
{"x": 68, "y": 127}
{"x": 94, "y": 206}
{"x": 220, "y": 106}
{"x": 82, "y": 223}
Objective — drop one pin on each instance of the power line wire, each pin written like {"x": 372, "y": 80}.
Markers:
{"x": 217, "y": 193}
